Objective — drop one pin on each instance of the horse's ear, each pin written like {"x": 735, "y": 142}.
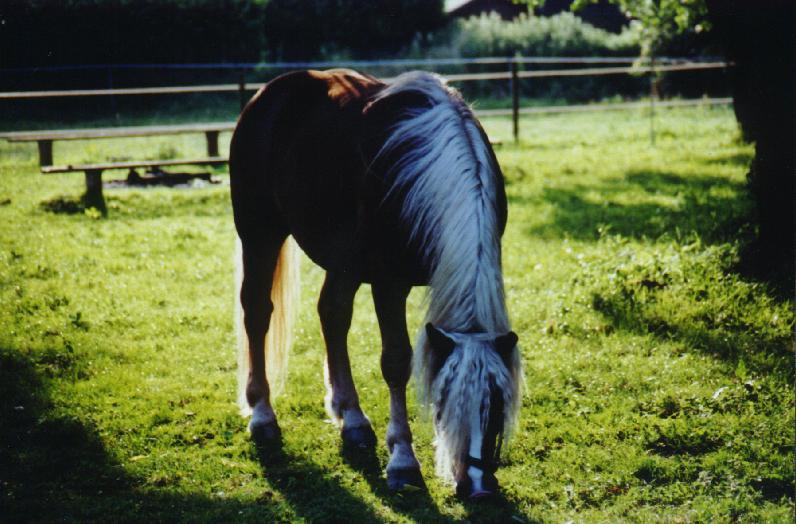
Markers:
{"x": 504, "y": 345}
{"x": 441, "y": 345}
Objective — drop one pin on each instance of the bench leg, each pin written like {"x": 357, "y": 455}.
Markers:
{"x": 212, "y": 143}
{"x": 45, "y": 152}
{"x": 94, "y": 197}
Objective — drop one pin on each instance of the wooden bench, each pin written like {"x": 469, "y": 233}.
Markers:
{"x": 94, "y": 196}
{"x": 45, "y": 139}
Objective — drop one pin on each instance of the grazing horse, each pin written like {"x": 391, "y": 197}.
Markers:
{"x": 394, "y": 185}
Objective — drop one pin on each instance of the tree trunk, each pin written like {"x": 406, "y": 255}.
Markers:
{"x": 759, "y": 38}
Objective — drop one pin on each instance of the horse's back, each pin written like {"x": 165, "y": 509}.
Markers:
{"x": 295, "y": 165}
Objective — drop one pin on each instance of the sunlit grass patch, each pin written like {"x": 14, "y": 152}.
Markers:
{"x": 659, "y": 381}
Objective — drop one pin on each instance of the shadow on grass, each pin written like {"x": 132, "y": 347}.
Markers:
{"x": 313, "y": 493}
{"x": 415, "y": 504}
{"x": 713, "y": 208}
{"x": 55, "y": 467}
{"x": 152, "y": 202}
{"x": 497, "y": 510}
{"x": 651, "y": 204}
{"x": 741, "y": 159}
{"x": 729, "y": 339}
{"x": 418, "y": 505}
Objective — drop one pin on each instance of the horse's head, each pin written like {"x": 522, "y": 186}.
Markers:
{"x": 473, "y": 382}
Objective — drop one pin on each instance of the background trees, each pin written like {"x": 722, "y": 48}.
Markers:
{"x": 303, "y": 29}
{"x": 67, "y": 32}
{"x": 48, "y": 32}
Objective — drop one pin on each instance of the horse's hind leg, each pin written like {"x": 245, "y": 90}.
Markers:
{"x": 390, "y": 301}
{"x": 335, "y": 308}
{"x": 259, "y": 263}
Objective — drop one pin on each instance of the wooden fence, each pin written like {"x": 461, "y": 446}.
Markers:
{"x": 512, "y": 74}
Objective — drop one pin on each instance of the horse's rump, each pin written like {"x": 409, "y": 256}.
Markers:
{"x": 295, "y": 163}
{"x": 302, "y": 161}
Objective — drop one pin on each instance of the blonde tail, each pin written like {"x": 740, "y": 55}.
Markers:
{"x": 286, "y": 286}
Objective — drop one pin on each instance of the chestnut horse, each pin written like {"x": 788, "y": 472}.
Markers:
{"x": 395, "y": 185}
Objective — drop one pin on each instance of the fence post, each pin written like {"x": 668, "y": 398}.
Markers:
{"x": 653, "y": 92}
{"x": 114, "y": 107}
{"x": 515, "y": 99}
{"x": 242, "y": 88}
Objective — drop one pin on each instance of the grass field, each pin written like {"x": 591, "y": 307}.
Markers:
{"x": 659, "y": 381}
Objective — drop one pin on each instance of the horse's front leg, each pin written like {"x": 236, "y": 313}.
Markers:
{"x": 396, "y": 357}
{"x": 335, "y": 308}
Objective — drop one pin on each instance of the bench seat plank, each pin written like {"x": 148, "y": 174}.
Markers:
{"x": 70, "y": 168}
{"x": 115, "y": 132}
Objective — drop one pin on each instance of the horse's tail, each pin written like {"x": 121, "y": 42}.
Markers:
{"x": 285, "y": 290}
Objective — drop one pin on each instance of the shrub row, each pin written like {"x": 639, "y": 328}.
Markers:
{"x": 560, "y": 35}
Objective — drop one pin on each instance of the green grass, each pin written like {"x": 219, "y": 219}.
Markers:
{"x": 659, "y": 380}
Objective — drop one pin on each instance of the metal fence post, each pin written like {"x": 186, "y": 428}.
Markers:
{"x": 515, "y": 99}
{"x": 242, "y": 88}
{"x": 114, "y": 106}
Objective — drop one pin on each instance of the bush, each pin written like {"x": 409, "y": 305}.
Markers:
{"x": 560, "y": 35}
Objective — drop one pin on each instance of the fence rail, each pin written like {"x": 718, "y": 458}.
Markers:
{"x": 464, "y": 77}
{"x": 513, "y": 74}
{"x": 409, "y": 62}
{"x": 580, "y": 108}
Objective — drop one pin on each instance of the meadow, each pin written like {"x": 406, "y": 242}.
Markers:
{"x": 659, "y": 380}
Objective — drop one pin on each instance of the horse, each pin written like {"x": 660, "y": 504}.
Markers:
{"x": 394, "y": 185}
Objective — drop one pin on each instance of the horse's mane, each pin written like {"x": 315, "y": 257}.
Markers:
{"x": 447, "y": 176}
{"x": 448, "y": 180}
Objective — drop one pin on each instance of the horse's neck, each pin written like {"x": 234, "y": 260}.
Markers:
{"x": 441, "y": 164}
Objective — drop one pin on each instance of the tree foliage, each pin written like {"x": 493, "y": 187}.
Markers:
{"x": 661, "y": 20}
{"x": 65, "y": 32}
{"x": 307, "y": 29}
{"x": 46, "y": 32}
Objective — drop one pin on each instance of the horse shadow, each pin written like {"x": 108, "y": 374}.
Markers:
{"x": 281, "y": 466}
{"x": 56, "y": 467}
{"x": 417, "y": 503}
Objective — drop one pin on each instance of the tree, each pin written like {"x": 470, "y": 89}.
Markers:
{"x": 758, "y": 39}
{"x": 661, "y": 20}
{"x": 311, "y": 29}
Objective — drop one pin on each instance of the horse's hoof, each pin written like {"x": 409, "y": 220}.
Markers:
{"x": 465, "y": 491}
{"x": 267, "y": 434}
{"x": 362, "y": 437}
{"x": 405, "y": 479}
